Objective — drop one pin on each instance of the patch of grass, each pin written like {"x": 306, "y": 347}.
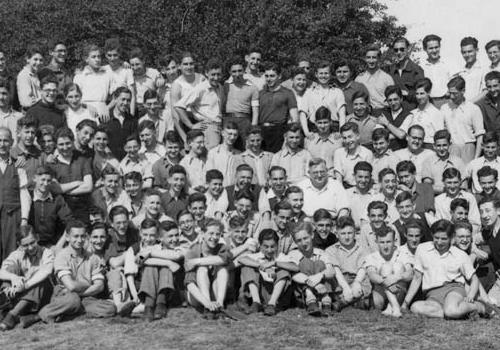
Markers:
{"x": 292, "y": 329}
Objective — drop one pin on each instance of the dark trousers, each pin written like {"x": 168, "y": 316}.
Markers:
{"x": 10, "y": 219}
{"x": 273, "y": 137}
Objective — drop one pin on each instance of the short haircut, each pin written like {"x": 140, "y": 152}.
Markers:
{"x": 403, "y": 196}
{"x": 276, "y": 168}
{"x": 468, "y": 40}
{"x": 322, "y": 214}
{"x": 323, "y": 113}
{"x": 182, "y": 213}
{"x": 150, "y": 94}
{"x": 213, "y": 174}
{"x": 244, "y": 194}
{"x": 244, "y": 167}
{"x": 133, "y": 137}
{"x": 112, "y": 44}
{"x": 401, "y": 39}
{"x": 44, "y": 170}
{"x": 118, "y": 210}
{"x": 297, "y": 71}
{"x": 384, "y": 172}
{"x": 176, "y": 169}
{"x": 343, "y": 63}
{"x": 293, "y": 189}
{"x": 75, "y": 223}
{"x": 167, "y": 226}
{"x": 406, "y": 165}
{"x": 109, "y": 170}
{"x": 237, "y": 221}
{"x": 293, "y": 127}
{"x": 493, "y": 75}
{"x": 133, "y": 176}
{"x": 350, "y": 126}
{"x": 28, "y": 121}
{"x": 212, "y": 64}
{"x": 146, "y": 124}
{"x": 375, "y": 205}
{"x": 136, "y": 52}
{"x": 384, "y": 231}
{"x": 430, "y": 37}
{"x": 301, "y": 226}
{"x": 323, "y": 64}
{"x": 465, "y": 224}
{"x": 345, "y": 221}
{"x": 360, "y": 94}
{"x": 121, "y": 90}
{"x": 489, "y": 137}
{"x": 172, "y": 137}
{"x": 451, "y": 173}
{"x": 87, "y": 49}
{"x": 64, "y": 132}
{"x": 32, "y": 50}
{"x": 487, "y": 171}
{"x": 213, "y": 222}
{"x": 281, "y": 205}
{"x": 148, "y": 223}
{"x": 25, "y": 231}
{"x": 393, "y": 89}
{"x": 443, "y": 225}
{"x": 442, "y": 134}
{"x": 235, "y": 61}
{"x": 271, "y": 66}
{"x": 372, "y": 47}
{"x": 196, "y": 197}
{"x": 267, "y": 235}
{"x": 255, "y": 130}
{"x": 379, "y": 134}
{"x": 193, "y": 134}
{"x": 363, "y": 166}
{"x": 102, "y": 129}
{"x": 457, "y": 82}
{"x": 72, "y": 87}
{"x": 316, "y": 161}
{"x": 150, "y": 192}
{"x": 86, "y": 123}
{"x": 49, "y": 79}
{"x": 492, "y": 43}
{"x": 484, "y": 200}
{"x": 416, "y": 127}
{"x": 412, "y": 223}
{"x": 99, "y": 226}
{"x": 424, "y": 83}
{"x": 230, "y": 125}
{"x": 459, "y": 202}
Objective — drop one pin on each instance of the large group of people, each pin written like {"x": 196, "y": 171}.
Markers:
{"x": 127, "y": 189}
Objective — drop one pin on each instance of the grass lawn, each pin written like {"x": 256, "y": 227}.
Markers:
{"x": 293, "y": 329}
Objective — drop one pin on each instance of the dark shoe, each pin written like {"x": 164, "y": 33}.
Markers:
{"x": 490, "y": 310}
{"x": 9, "y": 322}
{"x": 313, "y": 309}
{"x": 126, "y": 309}
{"x": 326, "y": 310}
{"x": 28, "y": 320}
{"x": 149, "y": 313}
{"x": 5, "y": 301}
{"x": 337, "y": 306}
{"x": 270, "y": 310}
{"x": 161, "y": 311}
{"x": 254, "y": 308}
{"x": 213, "y": 315}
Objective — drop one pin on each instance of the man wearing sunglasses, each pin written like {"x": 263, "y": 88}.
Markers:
{"x": 404, "y": 71}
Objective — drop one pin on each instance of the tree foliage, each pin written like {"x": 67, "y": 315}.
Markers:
{"x": 283, "y": 29}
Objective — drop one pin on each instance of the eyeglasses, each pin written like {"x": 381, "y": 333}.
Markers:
{"x": 50, "y": 91}
{"x": 400, "y": 49}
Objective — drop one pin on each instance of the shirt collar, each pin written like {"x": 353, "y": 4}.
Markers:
{"x": 87, "y": 70}
{"x": 47, "y": 198}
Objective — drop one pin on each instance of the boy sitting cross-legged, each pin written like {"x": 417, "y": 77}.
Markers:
{"x": 264, "y": 278}
{"x": 206, "y": 270}
{"x": 348, "y": 255}
{"x": 315, "y": 271}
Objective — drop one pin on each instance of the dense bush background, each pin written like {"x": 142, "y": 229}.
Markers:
{"x": 283, "y": 29}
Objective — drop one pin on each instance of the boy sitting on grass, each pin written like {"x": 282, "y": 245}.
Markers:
{"x": 348, "y": 255}
{"x": 206, "y": 271}
{"x": 313, "y": 280}
{"x": 266, "y": 279}
{"x": 390, "y": 271}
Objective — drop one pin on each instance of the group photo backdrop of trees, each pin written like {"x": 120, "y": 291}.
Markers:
{"x": 284, "y": 30}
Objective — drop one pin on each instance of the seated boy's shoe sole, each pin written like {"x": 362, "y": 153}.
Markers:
{"x": 270, "y": 310}
{"x": 233, "y": 314}
{"x": 254, "y": 308}
{"x": 161, "y": 311}
{"x": 313, "y": 310}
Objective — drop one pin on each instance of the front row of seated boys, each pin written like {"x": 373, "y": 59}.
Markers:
{"x": 104, "y": 272}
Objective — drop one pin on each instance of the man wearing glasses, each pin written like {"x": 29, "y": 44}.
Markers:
{"x": 45, "y": 111}
{"x": 404, "y": 71}
{"x": 58, "y": 53}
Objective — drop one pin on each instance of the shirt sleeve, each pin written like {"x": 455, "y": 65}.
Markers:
{"x": 61, "y": 265}
{"x": 419, "y": 259}
{"x": 292, "y": 101}
{"x": 255, "y": 97}
{"x": 47, "y": 257}
{"x": 477, "y": 120}
{"x": 466, "y": 267}
{"x": 23, "y": 178}
{"x": 191, "y": 98}
{"x": 12, "y": 263}
{"x": 24, "y": 92}
{"x": 130, "y": 267}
